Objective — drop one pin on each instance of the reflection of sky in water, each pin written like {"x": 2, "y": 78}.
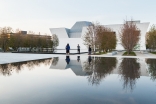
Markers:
{"x": 45, "y": 85}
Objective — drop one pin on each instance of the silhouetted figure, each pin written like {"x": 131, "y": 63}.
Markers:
{"x": 67, "y": 59}
{"x": 67, "y": 49}
{"x": 78, "y": 58}
{"x": 89, "y": 59}
{"x": 78, "y": 49}
{"x": 89, "y": 50}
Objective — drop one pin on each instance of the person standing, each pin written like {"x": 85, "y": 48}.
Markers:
{"x": 89, "y": 50}
{"x": 67, "y": 49}
{"x": 78, "y": 49}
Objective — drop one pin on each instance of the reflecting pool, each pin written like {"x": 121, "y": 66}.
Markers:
{"x": 79, "y": 80}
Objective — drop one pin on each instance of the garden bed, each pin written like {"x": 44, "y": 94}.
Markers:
{"x": 130, "y": 54}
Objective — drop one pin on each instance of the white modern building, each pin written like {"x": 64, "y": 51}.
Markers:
{"x": 74, "y": 35}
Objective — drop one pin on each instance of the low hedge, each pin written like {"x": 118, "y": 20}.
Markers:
{"x": 130, "y": 54}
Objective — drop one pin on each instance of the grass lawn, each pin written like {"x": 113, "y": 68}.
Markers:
{"x": 153, "y": 52}
{"x": 130, "y": 54}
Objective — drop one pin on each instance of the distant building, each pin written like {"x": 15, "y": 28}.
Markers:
{"x": 23, "y": 32}
{"x": 74, "y": 35}
{"x": 33, "y": 35}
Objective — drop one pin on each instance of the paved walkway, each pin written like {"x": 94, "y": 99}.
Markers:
{"x": 146, "y": 55}
{"x": 18, "y": 57}
{"x": 119, "y": 54}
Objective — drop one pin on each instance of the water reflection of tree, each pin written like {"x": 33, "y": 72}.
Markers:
{"x": 152, "y": 68}
{"x": 7, "y": 69}
{"x": 130, "y": 71}
{"x": 100, "y": 68}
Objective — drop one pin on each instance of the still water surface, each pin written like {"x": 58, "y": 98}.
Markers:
{"x": 79, "y": 80}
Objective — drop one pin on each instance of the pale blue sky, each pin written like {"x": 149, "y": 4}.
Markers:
{"x": 40, "y": 15}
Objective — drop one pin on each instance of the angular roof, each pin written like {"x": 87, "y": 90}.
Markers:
{"x": 76, "y": 30}
{"x": 77, "y": 27}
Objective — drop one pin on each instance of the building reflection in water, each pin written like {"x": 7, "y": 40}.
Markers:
{"x": 8, "y": 69}
{"x": 97, "y": 68}
{"x": 55, "y": 61}
{"x": 129, "y": 70}
{"x": 100, "y": 67}
{"x": 75, "y": 64}
{"x": 151, "y": 65}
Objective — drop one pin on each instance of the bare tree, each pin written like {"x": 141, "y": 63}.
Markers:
{"x": 105, "y": 39}
{"x": 4, "y": 37}
{"x": 101, "y": 37}
{"x": 129, "y": 35}
{"x": 16, "y": 40}
{"x": 55, "y": 42}
{"x": 90, "y": 36}
{"x": 31, "y": 40}
{"x": 151, "y": 38}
